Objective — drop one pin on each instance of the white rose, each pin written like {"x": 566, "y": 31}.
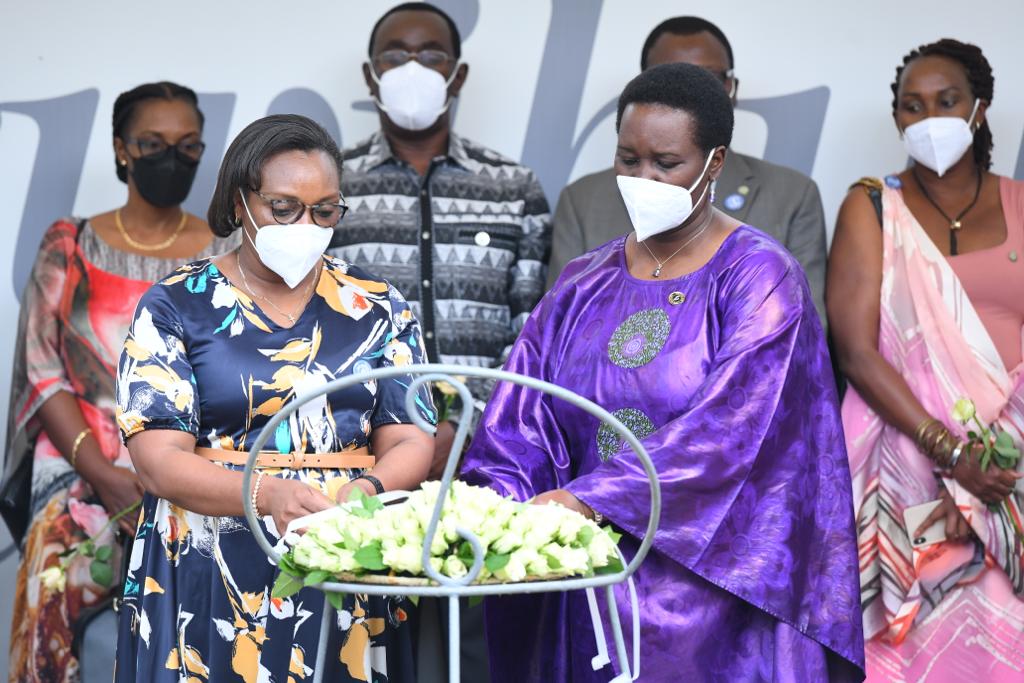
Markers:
{"x": 570, "y": 526}
{"x": 53, "y": 579}
{"x": 507, "y": 542}
{"x": 404, "y": 558}
{"x": 326, "y": 534}
{"x": 454, "y": 567}
{"x": 514, "y": 571}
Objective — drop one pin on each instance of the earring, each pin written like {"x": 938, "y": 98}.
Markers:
{"x": 123, "y": 162}
{"x": 237, "y": 222}
{"x": 714, "y": 184}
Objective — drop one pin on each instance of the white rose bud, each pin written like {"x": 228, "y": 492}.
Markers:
{"x": 963, "y": 410}
{"x": 53, "y": 579}
{"x": 514, "y": 571}
{"x": 454, "y": 567}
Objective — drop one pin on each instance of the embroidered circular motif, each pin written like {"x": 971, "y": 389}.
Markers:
{"x": 608, "y": 440}
{"x": 639, "y": 338}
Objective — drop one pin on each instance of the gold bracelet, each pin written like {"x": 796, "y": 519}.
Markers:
{"x": 78, "y": 442}
{"x": 926, "y": 424}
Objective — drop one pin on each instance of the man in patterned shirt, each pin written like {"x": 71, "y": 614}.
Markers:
{"x": 461, "y": 231}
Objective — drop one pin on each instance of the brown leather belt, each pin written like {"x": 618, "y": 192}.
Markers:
{"x": 359, "y": 459}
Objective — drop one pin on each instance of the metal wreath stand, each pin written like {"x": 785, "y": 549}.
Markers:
{"x": 445, "y": 586}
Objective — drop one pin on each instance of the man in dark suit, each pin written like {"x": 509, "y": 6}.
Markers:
{"x": 780, "y": 201}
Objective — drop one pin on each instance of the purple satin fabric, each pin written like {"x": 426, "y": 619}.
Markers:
{"x": 753, "y": 573}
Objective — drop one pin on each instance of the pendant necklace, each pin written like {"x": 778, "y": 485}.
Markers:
{"x": 292, "y": 318}
{"x": 954, "y": 223}
{"x": 661, "y": 263}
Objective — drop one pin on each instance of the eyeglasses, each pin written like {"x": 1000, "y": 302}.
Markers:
{"x": 432, "y": 59}
{"x": 288, "y": 211}
{"x": 190, "y": 149}
{"x": 723, "y": 76}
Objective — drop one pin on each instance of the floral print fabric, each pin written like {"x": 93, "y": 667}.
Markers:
{"x": 202, "y": 358}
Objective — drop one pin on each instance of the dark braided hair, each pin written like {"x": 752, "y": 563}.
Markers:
{"x": 127, "y": 104}
{"x": 979, "y": 75}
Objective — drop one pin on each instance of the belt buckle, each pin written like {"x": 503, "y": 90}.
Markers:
{"x": 298, "y": 461}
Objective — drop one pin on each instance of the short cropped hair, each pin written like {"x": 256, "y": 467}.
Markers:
{"x": 689, "y": 88}
{"x": 419, "y": 7}
{"x": 127, "y": 104}
{"x": 242, "y": 167}
{"x": 684, "y": 26}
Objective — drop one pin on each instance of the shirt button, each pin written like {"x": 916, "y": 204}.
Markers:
{"x": 426, "y": 284}
{"x": 426, "y": 234}
{"x": 429, "y": 334}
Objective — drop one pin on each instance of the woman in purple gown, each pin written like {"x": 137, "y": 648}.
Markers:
{"x": 700, "y": 334}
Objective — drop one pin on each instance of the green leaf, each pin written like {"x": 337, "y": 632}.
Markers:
{"x": 986, "y": 459}
{"x": 287, "y": 564}
{"x": 475, "y": 600}
{"x": 1004, "y": 439}
{"x": 466, "y": 553}
{"x": 286, "y": 585}
{"x": 101, "y": 573}
{"x": 494, "y": 561}
{"x": 553, "y": 562}
{"x": 361, "y": 512}
{"x": 88, "y": 548}
{"x": 356, "y": 495}
{"x": 614, "y": 535}
{"x": 337, "y": 600}
{"x": 414, "y": 599}
{"x": 614, "y": 566}
{"x": 972, "y": 435}
{"x": 316, "y": 577}
{"x": 104, "y": 553}
{"x": 372, "y": 504}
{"x": 585, "y": 536}
{"x": 370, "y": 557}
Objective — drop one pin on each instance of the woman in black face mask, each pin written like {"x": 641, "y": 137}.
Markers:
{"x": 74, "y": 475}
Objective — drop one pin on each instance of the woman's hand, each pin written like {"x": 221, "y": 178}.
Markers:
{"x": 990, "y": 486}
{"x": 346, "y": 491}
{"x": 957, "y": 528}
{"x": 118, "y": 488}
{"x": 565, "y": 499}
{"x": 288, "y": 499}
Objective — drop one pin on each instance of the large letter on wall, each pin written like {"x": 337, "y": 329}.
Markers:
{"x": 217, "y": 109}
{"x": 550, "y": 148}
{"x": 794, "y": 126}
{"x": 65, "y": 124}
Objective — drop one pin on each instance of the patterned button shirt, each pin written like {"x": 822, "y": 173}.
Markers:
{"x": 466, "y": 243}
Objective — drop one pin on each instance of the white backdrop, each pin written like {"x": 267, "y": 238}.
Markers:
{"x": 540, "y": 70}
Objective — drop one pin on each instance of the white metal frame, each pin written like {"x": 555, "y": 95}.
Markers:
{"x": 447, "y": 587}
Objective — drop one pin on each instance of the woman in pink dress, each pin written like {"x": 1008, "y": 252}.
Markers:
{"x": 926, "y": 308}
{"x": 75, "y": 312}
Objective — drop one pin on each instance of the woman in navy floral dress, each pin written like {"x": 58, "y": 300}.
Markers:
{"x": 214, "y": 351}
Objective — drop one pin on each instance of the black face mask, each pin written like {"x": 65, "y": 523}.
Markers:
{"x": 164, "y": 179}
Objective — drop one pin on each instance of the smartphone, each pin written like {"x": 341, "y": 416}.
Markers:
{"x": 914, "y": 515}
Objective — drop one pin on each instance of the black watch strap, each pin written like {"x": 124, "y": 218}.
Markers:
{"x": 377, "y": 486}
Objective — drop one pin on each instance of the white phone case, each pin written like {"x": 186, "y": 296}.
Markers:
{"x": 912, "y": 518}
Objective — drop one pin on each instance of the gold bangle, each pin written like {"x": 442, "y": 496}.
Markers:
{"x": 922, "y": 428}
{"x": 78, "y": 442}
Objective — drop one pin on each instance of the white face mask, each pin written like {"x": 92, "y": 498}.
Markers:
{"x": 291, "y": 251}
{"x": 938, "y": 142}
{"x": 412, "y": 95}
{"x": 656, "y": 207}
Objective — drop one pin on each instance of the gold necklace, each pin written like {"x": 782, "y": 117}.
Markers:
{"x": 149, "y": 247}
{"x": 291, "y": 318}
{"x": 661, "y": 264}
